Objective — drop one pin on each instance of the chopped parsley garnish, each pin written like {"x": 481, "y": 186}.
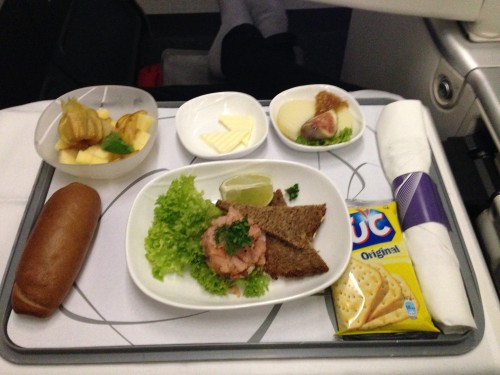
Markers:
{"x": 234, "y": 237}
{"x": 115, "y": 144}
{"x": 293, "y": 192}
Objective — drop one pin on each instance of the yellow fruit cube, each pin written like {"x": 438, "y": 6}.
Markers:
{"x": 144, "y": 122}
{"x": 140, "y": 140}
{"x": 92, "y": 149}
{"x": 87, "y": 157}
{"x": 61, "y": 145}
{"x": 67, "y": 156}
{"x": 84, "y": 157}
{"x": 98, "y": 152}
{"x": 97, "y": 160}
{"x": 103, "y": 113}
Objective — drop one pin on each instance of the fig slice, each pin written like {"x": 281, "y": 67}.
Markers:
{"x": 322, "y": 126}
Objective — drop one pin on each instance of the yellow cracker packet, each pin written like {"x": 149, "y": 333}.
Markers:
{"x": 379, "y": 291}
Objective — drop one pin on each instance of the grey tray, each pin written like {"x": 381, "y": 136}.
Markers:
{"x": 381, "y": 346}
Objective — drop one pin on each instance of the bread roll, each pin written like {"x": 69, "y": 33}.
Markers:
{"x": 55, "y": 250}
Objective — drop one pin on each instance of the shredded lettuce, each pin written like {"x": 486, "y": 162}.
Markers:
{"x": 342, "y": 136}
{"x": 173, "y": 245}
{"x": 255, "y": 284}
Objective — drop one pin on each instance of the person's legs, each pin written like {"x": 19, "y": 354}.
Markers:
{"x": 269, "y": 16}
{"x": 254, "y": 62}
{"x": 247, "y": 58}
{"x": 233, "y": 13}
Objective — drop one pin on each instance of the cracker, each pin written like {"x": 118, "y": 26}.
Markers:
{"x": 393, "y": 298}
{"x": 355, "y": 293}
{"x": 397, "y": 315}
{"x": 405, "y": 289}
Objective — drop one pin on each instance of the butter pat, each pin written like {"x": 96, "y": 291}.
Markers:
{"x": 238, "y": 122}
{"x": 239, "y": 129}
{"x": 224, "y": 142}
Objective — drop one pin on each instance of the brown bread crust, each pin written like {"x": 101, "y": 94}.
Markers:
{"x": 56, "y": 250}
{"x": 296, "y": 225}
{"x": 284, "y": 260}
{"x": 283, "y": 226}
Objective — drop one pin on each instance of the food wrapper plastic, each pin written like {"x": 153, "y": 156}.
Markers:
{"x": 379, "y": 291}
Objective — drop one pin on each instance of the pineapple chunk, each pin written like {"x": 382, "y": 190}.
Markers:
{"x": 98, "y": 152}
{"x": 67, "y": 156}
{"x": 144, "y": 122}
{"x": 84, "y": 157}
{"x": 93, "y": 155}
{"x": 103, "y": 114}
{"x": 61, "y": 145}
{"x": 97, "y": 160}
{"x": 140, "y": 140}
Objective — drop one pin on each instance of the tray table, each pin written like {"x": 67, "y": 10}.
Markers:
{"x": 107, "y": 319}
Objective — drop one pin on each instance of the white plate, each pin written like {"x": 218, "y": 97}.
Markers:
{"x": 309, "y": 92}
{"x": 200, "y": 115}
{"x": 333, "y": 240}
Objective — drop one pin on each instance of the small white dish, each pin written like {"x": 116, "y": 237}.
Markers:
{"x": 309, "y": 92}
{"x": 200, "y": 115}
{"x": 118, "y": 100}
{"x": 333, "y": 239}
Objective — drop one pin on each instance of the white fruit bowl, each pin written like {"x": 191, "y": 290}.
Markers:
{"x": 118, "y": 100}
{"x": 309, "y": 92}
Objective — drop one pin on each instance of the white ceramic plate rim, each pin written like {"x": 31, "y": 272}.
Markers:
{"x": 218, "y": 103}
{"x": 184, "y": 292}
{"x": 308, "y": 92}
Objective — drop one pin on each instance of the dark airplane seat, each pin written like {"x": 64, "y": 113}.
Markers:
{"x": 99, "y": 44}
{"x": 29, "y": 30}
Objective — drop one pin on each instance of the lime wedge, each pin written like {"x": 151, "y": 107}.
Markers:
{"x": 250, "y": 189}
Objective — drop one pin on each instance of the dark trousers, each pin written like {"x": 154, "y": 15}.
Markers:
{"x": 266, "y": 64}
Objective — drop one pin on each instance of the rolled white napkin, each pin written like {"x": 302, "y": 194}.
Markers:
{"x": 406, "y": 159}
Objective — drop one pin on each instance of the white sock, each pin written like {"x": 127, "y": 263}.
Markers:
{"x": 269, "y": 16}
{"x": 233, "y": 13}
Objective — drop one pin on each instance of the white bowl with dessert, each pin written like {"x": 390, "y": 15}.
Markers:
{"x": 99, "y": 132}
{"x": 315, "y": 118}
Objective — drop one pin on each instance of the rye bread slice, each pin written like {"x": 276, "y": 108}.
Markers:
{"x": 286, "y": 260}
{"x": 278, "y": 199}
{"x": 295, "y": 225}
